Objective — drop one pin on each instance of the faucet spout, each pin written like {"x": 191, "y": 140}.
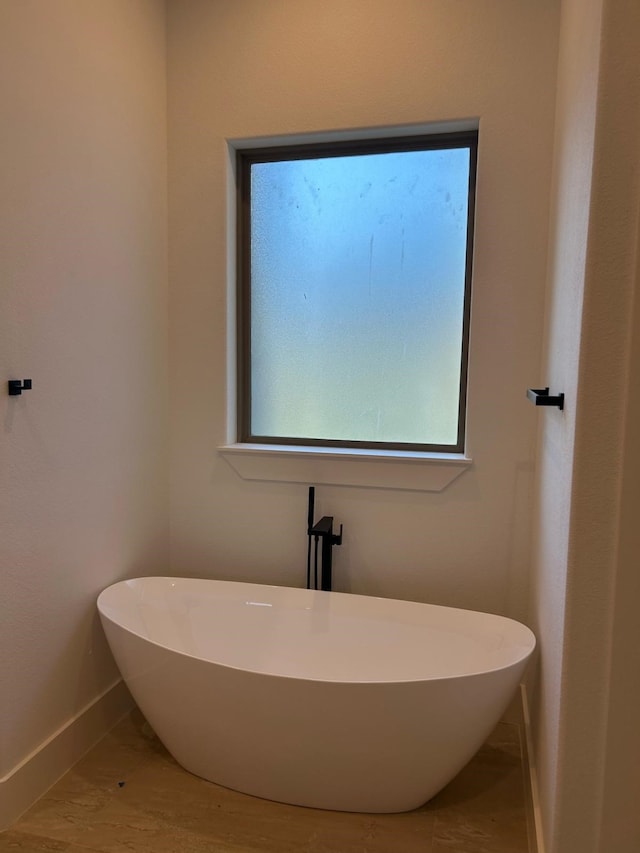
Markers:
{"x": 323, "y": 529}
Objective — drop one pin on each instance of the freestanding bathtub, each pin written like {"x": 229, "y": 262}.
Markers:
{"x": 320, "y": 699}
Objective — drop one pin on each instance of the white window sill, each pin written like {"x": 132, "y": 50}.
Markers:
{"x": 390, "y": 469}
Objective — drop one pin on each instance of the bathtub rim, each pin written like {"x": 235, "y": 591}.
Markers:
{"x": 517, "y": 661}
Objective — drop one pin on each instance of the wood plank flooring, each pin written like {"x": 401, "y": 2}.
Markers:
{"x": 129, "y": 796}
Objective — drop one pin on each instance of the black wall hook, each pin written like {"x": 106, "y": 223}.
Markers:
{"x": 541, "y": 397}
{"x": 16, "y": 386}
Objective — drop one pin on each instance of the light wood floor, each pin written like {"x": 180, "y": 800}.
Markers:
{"x": 129, "y": 796}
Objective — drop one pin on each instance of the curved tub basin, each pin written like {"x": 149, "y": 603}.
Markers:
{"x": 320, "y": 699}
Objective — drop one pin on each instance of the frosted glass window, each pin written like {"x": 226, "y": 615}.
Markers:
{"x": 356, "y": 291}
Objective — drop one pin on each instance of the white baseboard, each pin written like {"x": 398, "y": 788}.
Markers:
{"x": 536, "y": 836}
{"x": 35, "y": 774}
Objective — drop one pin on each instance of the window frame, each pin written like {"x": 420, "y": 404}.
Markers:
{"x": 246, "y": 157}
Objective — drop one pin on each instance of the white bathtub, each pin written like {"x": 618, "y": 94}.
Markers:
{"x": 314, "y": 698}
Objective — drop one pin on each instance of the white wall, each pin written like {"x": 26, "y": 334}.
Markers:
{"x": 248, "y": 68}
{"x": 608, "y": 440}
{"x": 571, "y": 193}
{"x": 83, "y": 485}
{"x": 585, "y": 586}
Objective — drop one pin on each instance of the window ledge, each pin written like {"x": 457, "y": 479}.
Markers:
{"x": 384, "y": 469}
